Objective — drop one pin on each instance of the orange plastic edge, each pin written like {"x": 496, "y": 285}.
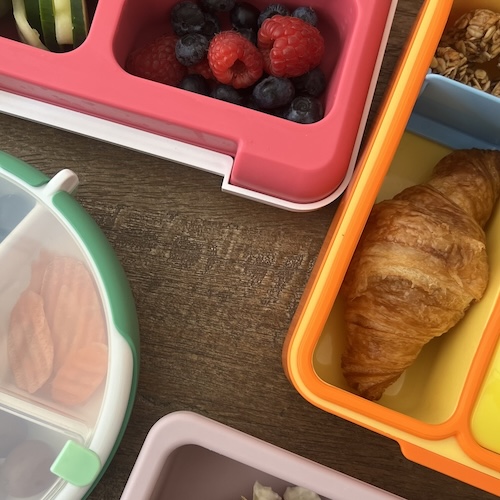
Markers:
{"x": 485, "y": 354}
{"x": 450, "y": 468}
{"x": 349, "y": 220}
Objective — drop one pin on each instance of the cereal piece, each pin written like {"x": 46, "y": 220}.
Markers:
{"x": 477, "y": 78}
{"x": 449, "y": 62}
{"x": 29, "y": 343}
{"x": 26, "y": 471}
{"x": 80, "y": 375}
{"x": 72, "y": 307}
{"x": 496, "y": 89}
{"x": 476, "y": 35}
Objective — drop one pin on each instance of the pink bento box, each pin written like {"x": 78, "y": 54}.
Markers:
{"x": 290, "y": 165}
{"x": 191, "y": 457}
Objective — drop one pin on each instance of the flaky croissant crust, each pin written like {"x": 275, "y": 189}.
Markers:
{"x": 420, "y": 263}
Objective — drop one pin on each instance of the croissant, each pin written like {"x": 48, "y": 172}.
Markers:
{"x": 420, "y": 263}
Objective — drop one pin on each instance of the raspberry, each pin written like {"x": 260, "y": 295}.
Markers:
{"x": 234, "y": 60}
{"x": 290, "y": 46}
{"x": 156, "y": 61}
{"x": 202, "y": 68}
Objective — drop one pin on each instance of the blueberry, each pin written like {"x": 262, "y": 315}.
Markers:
{"x": 312, "y": 83}
{"x": 187, "y": 17}
{"x": 252, "y": 104}
{"x": 211, "y": 27}
{"x": 195, "y": 83}
{"x": 244, "y": 15}
{"x": 218, "y": 5}
{"x": 272, "y": 10}
{"x": 273, "y": 92}
{"x": 191, "y": 48}
{"x": 307, "y": 14}
{"x": 227, "y": 93}
{"x": 304, "y": 109}
{"x": 249, "y": 34}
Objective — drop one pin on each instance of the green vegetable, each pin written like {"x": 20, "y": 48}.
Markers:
{"x": 48, "y": 24}
{"x": 62, "y": 21}
{"x": 33, "y": 15}
{"x": 51, "y": 24}
{"x": 26, "y": 32}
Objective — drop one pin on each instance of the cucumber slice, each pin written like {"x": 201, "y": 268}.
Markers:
{"x": 33, "y": 15}
{"x": 48, "y": 24}
{"x": 26, "y": 33}
{"x": 62, "y": 22}
{"x": 80, "y": 20}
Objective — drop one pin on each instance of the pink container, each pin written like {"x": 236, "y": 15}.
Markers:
{"x": 192, "y": 457}
{"x": 294, "y": 166}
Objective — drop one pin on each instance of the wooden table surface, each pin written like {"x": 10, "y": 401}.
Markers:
{"x": 217, "y": 279}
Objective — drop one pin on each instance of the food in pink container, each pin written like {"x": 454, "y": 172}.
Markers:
{"x": 89, "y": 83}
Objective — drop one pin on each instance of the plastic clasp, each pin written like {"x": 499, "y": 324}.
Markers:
{"x": 76, "y": 464}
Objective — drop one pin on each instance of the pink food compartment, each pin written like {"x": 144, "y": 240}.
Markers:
{"x": 188, "y": 456}
{"x": 261, "y": 156}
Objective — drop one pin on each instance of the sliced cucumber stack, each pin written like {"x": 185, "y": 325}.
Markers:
{"x": 55, "y": 25}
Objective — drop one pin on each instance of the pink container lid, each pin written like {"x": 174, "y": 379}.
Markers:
{"x": 298, "y": 166}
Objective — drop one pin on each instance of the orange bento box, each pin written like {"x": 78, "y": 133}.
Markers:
{"x": 444, "y": 411}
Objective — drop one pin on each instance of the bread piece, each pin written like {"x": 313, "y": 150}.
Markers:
{"x": 420, "y": 263}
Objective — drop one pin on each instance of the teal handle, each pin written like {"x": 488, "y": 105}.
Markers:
{"x": 122, "y": 304}
{"x": 22, "y": 170}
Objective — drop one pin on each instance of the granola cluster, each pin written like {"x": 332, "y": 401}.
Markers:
{"x": 469, "y": 52}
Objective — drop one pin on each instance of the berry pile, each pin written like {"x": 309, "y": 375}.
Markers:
{"x": 267, "y": 60}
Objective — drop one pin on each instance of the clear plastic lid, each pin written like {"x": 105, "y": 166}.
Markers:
{"x": 53, "y": 347}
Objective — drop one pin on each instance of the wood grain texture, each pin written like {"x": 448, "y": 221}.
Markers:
{"x": 217, "y": 280}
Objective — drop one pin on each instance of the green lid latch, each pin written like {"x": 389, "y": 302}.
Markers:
{"x": 76, "y": 464}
